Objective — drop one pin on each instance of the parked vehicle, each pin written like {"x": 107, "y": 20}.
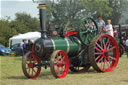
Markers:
{"x": 16, "y": 49}
{"x": 4, "y": 50}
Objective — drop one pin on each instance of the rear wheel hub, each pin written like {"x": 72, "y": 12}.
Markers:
{"x": 106, "y": 54}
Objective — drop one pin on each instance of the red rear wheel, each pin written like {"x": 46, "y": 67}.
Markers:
{"x": 31, "y": 65}
{"x": 104, "y": 53}
{"x": 59, "y": 64}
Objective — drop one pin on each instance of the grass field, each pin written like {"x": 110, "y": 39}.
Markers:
{"x": 11, "y": 74}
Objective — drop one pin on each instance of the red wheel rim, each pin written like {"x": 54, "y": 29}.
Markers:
{"x": 32, "y": 66}
{"x": 106, "y": 53}
{"x": 61, "y": 64}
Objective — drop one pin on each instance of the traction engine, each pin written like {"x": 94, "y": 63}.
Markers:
{"x": 76, "y": 50}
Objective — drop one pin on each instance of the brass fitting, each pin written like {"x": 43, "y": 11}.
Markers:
{"x": 42, "y": 6}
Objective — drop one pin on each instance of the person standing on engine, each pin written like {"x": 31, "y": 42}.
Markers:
{"x": 100, "y": 22}
{"x": 108, "y": 28}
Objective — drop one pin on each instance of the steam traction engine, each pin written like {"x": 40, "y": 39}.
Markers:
{"x": 76, "y": 50}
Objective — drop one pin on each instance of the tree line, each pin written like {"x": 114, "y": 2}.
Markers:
{"x": 63, "y": 13}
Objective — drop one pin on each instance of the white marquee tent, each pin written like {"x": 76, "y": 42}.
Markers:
{"x": 18, "y": 38}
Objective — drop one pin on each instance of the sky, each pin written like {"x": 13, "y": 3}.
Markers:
{"x": 10, "y": 7}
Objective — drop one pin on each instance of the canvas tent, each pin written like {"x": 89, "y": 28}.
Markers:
{"x": 18, "y": 38}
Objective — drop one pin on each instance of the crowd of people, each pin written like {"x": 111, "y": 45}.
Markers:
{"x": 108, "y": 29}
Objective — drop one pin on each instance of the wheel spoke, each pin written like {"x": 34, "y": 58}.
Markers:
{"x": 112, "y": 58}
{"x": 112, "y": 48}
{"x": 107, "y": 41}
{"x": 57, "y": 56}
{"x": 62, "y": 69}
{"x": 27, "y": 64}
{"x": 98, "y": 53}
{"x": 33, "y": 70}
{"x": 97, "y": 57}
{"x": 110, "y": 53}
{"x": 104, "y": 44}
{"x": 97, "y": 49}
{"x": 104, "y": 65}
{"x": 108, "y": 45}
{"x": 58, "y": 72}
{"x": 107, "y": 63}
{"x": 99, "y": 46}
{"x": 100, "y": 59}
{"x": 29, "y": 70}
{"x": 101, "y": 40}
{"x": 57, "y": 69}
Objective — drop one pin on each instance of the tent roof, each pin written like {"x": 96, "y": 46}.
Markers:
{"x": 28, "y": 35}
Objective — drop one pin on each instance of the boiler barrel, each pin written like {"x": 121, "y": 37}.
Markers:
{"x": 66, "y": 45}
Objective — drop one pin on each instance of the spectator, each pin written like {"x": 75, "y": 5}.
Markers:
{"x": 127, "y": 46}
{"x": 100, "y": 22}
{"x": 30, "y": 45}
{"x": 23, "y": 47}
{"x": 108, "y": 28}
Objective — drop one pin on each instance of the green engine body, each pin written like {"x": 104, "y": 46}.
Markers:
{"x": 67, "y": 45}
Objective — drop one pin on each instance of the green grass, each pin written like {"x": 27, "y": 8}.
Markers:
{"x": 11, "y": 74}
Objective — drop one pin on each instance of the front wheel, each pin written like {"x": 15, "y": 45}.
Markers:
{"x": 31, "y": 65}
{"x": 59, "y": 64}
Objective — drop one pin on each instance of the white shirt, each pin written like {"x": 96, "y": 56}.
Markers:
{"x": 127, "y": 42}
{"x": 109, "y": 29}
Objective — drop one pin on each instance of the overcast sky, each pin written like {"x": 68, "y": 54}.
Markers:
{"x": 10, "y": 7}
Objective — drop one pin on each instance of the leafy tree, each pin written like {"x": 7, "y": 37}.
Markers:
{"x": 95, "y": 8}
{"x": 118, "y": 6}
{"x": 22, "y": 24}
{"x": 5, "y": 32}
{"x": 66, "y": 12}
{"x": 25, "y": 23}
